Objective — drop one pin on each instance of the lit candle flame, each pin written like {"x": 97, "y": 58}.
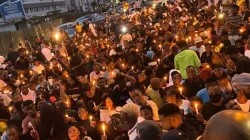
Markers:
{"x": 90, "y": 118}
{"x": 196, "y": 108}
{"x": 103, "y": 128}
{"x": 180, "y": 89}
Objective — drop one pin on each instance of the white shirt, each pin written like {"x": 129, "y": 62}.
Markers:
{"x": 30, "y": 96}
{"x": 93, "y": 76}
{"x": 132, "y": 132}
{"x": 247, "y": 53}
{"x": 47, "y": 54}
{"x": 38, "y": 69}
{"x": 200, "y": 50}
{"x": 244, "y": 107}
{"x": 6, "y": 99}
{"x": 112, "y": 52}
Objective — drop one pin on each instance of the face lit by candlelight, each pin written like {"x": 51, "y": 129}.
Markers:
{"x": 73, "y": 133}
{"x": 83, "y": 113}
{"x": 192, "y": 105}
{"x": 109, "y": 103}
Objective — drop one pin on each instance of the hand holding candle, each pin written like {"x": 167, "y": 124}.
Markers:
{"x": 180, "y": 89}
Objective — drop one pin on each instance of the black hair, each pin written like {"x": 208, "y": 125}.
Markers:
{"x": 169, "y": 109}
{"x": 239, "y": 41}
{"x": 83, "y": 107}
{"x": 231, "y": 50}
{"x": 211, "y": 79}
{"x": 235, "y": 6}
{"x": 182, "y": 44}
{"x": 174, "y": 73}
{"x": 148, "y": 71}
{"x": 146, "y": 107}
{"x": 27, "y": 103}
{"x": 196, "y": 98}
{"x": 190, "y": 66}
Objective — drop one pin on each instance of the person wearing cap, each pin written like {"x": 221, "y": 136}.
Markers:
{"x": 129, "y": 119}
{"x": 199, "y": 47}
{"x": 141, "y": 100}
{"x": 171, "y": 118}
{"x": 148, "y": 130}
{"x": 185, "y": 58}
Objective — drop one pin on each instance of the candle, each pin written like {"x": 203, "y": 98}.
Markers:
{"x": 30, "y": 72}
{"x": 68, "y": 58}
{"x": 10, "y": 109}
{"x": 123, "y": 65}
{"x": 103, "y": 128}
{"x": 180, "y": 89}
{"x": 160, "y": 46}
{"x": 165, "y": 78}
{"x": 207, "y": 66}
{"x": 93, "y": 83}
{"x": 132, "y": 67}
{"x": 94, "y": 104}
{"x": 27, "y": 52}
{"x": 196, "y": 108}
{"x": 159, "y": 61}
{"x": 66, "y": 115}
{"x": 21, "y": 75}
{"x": 90, "y": 118}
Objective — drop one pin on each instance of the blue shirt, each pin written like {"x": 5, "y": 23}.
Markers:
{"x": 203, "y": 94}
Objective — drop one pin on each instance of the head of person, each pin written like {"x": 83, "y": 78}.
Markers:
{"x": 74, "y": 132}
{"x": 89, "y": 89}
{"x": 25, "y": 89}
{"x": 170, "y": 116}
{"x": 121, "y": 81}
{"x": 12, "y": 132}
{"x": 240, "y": 84}
{"x": 227, "y": 122}
{"x": 137, "y": 97}
{"x": 175, "y": 50}
{"x": 83, "y": 113}
{"x": 111, "y": 65}
{"x": 97, "y": 67}
{"x": 211, "y": 81}
{"x": 171, "y": 94}
{"x": 155, "y": 83}
{"x": 182, "y": 44}
{"x": 146, "y": 112}
{"x": 176, "y": 78}
{"x": 191, "y": 73}
{"x": 195, "y": 101}
{"x": 102, "y": 82}
{"x": 232, "y": 51}
{"x": 215, "y": 94}
{"x": 242, "y": 8}
{"x": 29, "y": 108}
{"x": 36, "y": 62}
{"x": 128, "y": 116}
{"x": 17, "y": 97}
{"x": 218, "y": 72}
{"x": 225, "y": 84}
{"x": 148, "y": 130}
{"x": 234, "y": 9}
{"x": 109, "y": 103}
{"x": 198, "y": 42}
{"x": 149, "y": 72}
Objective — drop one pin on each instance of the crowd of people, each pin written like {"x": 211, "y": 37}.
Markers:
{"x": 175, "y": 71}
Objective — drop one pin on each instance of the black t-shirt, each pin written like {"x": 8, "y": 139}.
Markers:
{"x": 120, "y": 97}
{"x": 96, "y": 99}
{"x": 191, "y": 88}
{"x": 208, "y": 110}
{"x": 22, "y": 64}
{"x": 91, "y": 131}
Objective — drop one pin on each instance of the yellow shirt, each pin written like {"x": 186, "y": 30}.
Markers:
{"x": 79, "y": 28}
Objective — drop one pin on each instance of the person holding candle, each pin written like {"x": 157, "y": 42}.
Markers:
{"x": 94, "y": 75}
{"x": 172, "y": 95}
{"x": 92, "y": 98}
{"x": 38, "y": 68}
{"x": 88, "y": 122}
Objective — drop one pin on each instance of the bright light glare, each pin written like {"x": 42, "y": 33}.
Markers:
{"x": 124, "y": 29}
